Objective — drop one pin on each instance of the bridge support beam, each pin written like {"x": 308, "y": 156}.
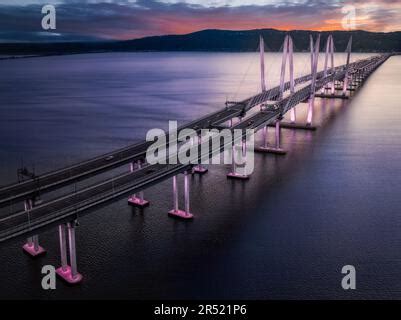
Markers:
{"x": 311, "y": 105}
{"x": 234, "y": 174}
{"x": 349, "y": 49}
{"x": 314, "y": 78}
{"x": 138, "y": 200}
{"x": 200, "y": 169}
{"x": 32, "y": 247}
{"x": 345, "y": 86}
{"x": 293, "y": 115}
{"x": 296, "y": 126}
{"x": 277, "y": 149}
{"x": 63, "y": 247}
{"x": 176, "y": 212}
{"x": 332, "y": 96}
{"x": 68, "y": 273}
{"x": 265, "y": 135}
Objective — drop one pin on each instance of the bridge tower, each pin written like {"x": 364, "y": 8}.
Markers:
{"x": 315, "y": 61}
{"x": 329, "y": 56}
{"x": 262, "y": 64}
{"x": 347, "y": 75}
{"x": 293, "y": 123}
{"x": 288, "y": 55}
{"x": 239, "y": 150}
{"x": 345, "y": 82}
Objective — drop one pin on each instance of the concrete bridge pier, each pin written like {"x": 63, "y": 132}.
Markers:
{"x": 346, "y": 85}
{"x": 311, "y": 105}
{"x": 137, "y": 200}
{"x": 32, "y": 246}
{"x": 176, "y": 212}
{"x": 68, "y": 273}
{"x": 293, "y": 116}
{"x": 200, "y": 169}
{"x": 295, "y": 124}
{"x": 240, "y": 174}
{"x": 277, "y": 149}
{"x": 332, "y": 96}
{"x": 265, "y": 138}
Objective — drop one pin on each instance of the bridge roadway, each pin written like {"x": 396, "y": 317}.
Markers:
{"x": 63, "y": 209}
{"x": 32, "y": 188}
{"x": 76, "y": 204}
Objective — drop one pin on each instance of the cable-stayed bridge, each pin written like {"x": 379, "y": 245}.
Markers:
{"x": 267, "y": 108}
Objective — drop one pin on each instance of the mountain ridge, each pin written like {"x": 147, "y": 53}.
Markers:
{"x": 217, "y": 40}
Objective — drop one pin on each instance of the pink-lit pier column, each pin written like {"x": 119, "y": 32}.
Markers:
{"x": 134, "y": 200}
{"x": 200, "y": 169}
{"x": 32, "y": 246}
{"x": 176, "y": 212}
{"x": 234, "y": 174}
{"x": 68, "y": 273}
{"x": 265, "y": 137}
{"x": 277, "y": 149}
{"x": 63, "y": 247}
{"x": 265, "y": 141}
{"x": 311, "y": 105}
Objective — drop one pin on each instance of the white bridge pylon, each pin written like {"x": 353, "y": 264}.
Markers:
{"x": 329, "y": 55}
{"x": 288, "y": 54}
{"x": 262, "y": 63}
{"x": 345, "y": 82}
{"x": 288, "y": 57}
{"x": 315, "y": 63}
{"x": 346, "y": 79}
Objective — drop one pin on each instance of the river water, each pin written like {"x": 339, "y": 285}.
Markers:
{"x": 284, "y": 234}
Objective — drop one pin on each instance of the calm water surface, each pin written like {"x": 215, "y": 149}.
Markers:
{"x": 284, "y": 234}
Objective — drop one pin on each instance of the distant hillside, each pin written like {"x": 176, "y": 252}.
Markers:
{"x": 217, "y": 40}
{"x": 221, "y": 40}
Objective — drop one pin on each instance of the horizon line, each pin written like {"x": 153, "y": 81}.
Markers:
{"x": 95, "y": 40}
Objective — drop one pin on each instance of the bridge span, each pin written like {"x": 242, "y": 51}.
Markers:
{"x": 268, "y": 109}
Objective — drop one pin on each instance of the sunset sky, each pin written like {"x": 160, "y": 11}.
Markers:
{"x": 20, "y": 20}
